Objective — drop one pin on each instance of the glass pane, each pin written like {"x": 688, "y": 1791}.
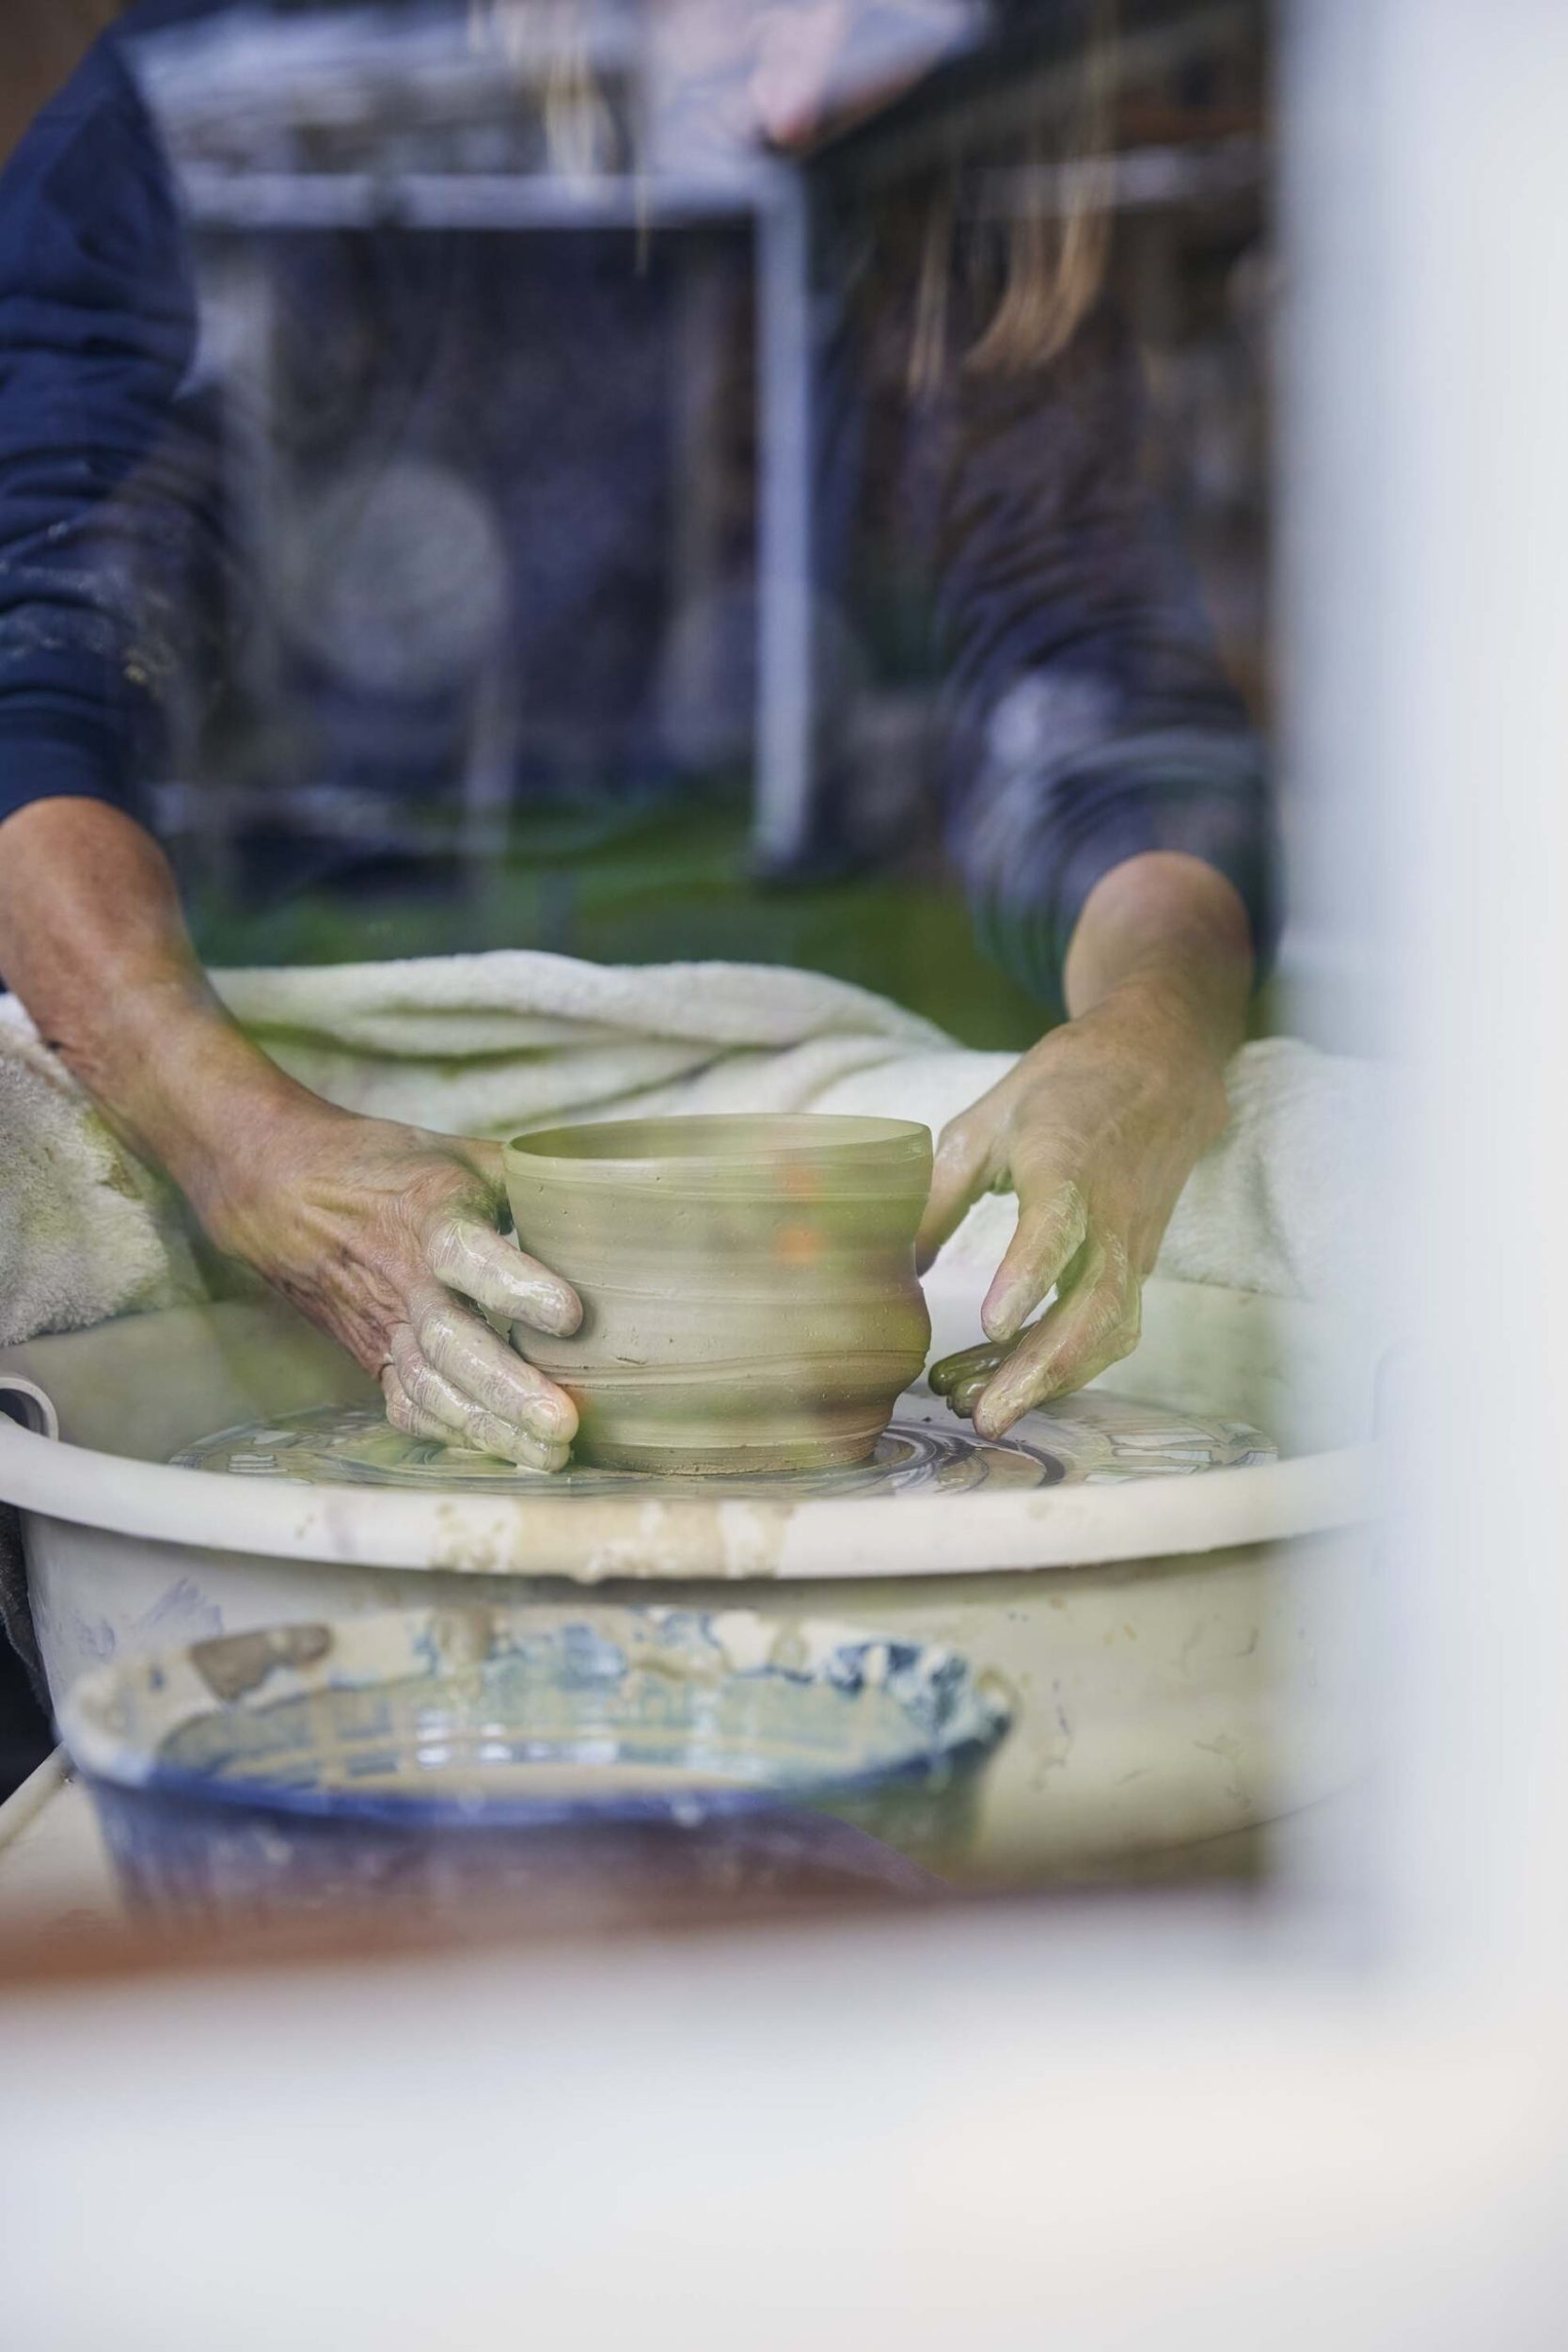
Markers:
{"x": 706, "y": 568}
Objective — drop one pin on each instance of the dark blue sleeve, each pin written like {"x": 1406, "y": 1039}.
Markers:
{"x": 106, "y": 457}
{"x": 1089, "y": 720}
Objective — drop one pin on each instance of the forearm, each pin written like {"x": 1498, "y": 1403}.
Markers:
{"x": 371, "y": 1230}
{"x": 93, "y": 943}
{"x": 1166, "y": 939}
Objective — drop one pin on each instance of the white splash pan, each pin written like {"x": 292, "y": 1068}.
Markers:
{"x": 1146, "y": 1628}
{"x": 125, "y": 1397}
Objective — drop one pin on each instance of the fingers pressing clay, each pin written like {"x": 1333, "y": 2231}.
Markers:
{"x": 428, "y": 1392}
{"x": 1046, "y": 1238}
{"x": 471, "y": 1257}
{"x": 405, "y": 1414}
{"x": 944, "y": 1378}
{"x": 422, "y": 1402}
{"x": 964, "y": 1398}
{"x": 1092, "y": 1325}
{"x": 487, "y": 1372}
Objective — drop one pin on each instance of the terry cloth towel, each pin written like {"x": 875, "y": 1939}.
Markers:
{"x": 489, "y": 1045}
{"x": 85, "y": 1229}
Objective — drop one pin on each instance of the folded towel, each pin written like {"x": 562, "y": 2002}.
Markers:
{"x": 490, "y": 1044}
{"x": 484, "y": 1046}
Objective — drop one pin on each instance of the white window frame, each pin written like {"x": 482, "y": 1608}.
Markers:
{"x": 1335, "y": 2121}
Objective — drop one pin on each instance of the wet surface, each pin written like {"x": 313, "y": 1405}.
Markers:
{"x": 1088, "y": 1440}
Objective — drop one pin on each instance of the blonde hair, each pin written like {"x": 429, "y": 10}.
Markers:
{"x": 1058, "y": 240}
{"x": 1056, "y": 265}
{"x": 1057, "y": 243}
{"x": 577, "y": 130}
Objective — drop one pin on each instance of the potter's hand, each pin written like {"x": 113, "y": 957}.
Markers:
{"x": 1095, "y": 1129}
{"x": 376, "y": 1233}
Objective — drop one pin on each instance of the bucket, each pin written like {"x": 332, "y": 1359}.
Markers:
{"x": 439, "y": 1759}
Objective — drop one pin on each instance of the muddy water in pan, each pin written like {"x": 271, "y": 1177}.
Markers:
{"x": 1091, "y": 1439}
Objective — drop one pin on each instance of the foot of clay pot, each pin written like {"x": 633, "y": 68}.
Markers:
{"x": 734, "y": 1461}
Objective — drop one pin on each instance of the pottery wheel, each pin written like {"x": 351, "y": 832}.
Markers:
{"x": 1089, "y": 1440}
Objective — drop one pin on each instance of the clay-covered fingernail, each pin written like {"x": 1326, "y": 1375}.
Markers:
{"x": 1005, "y": 1308}
{"x": 1004, "y": 1401}
{"x": 964, "y": 1396}
{"x": 545, "y": 1412}
{"x": 555, "y": 1417}
{"x": 515, "y": 1445}
{"x": 547, "y": 1304}
{"x": 993, "y": 1419}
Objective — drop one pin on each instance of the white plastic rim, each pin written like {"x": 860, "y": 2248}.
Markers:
{"x": 34, "y": 1409}
{"x": 593, "y": 1538}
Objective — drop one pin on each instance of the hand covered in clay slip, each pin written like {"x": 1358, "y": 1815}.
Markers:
{"x": 379, "y": 1233}
{"x": 1095, "y": 1129}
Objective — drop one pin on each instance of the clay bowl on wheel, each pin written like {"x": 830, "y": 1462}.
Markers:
{"x": 748, "y": 1283}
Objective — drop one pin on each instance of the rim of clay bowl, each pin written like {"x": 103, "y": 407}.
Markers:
{"x": 714, "y": 1141}
{"x": 380, "y": 1646}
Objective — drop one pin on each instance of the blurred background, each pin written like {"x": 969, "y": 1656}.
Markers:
{"x": 470, "y": 698}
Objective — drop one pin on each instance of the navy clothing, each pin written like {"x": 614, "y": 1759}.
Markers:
{"x": 1087, "y": 719}
{"x": 96, "y": 331}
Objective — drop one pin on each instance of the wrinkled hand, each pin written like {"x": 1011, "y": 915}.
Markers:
{"x": 376, "y": 1233}
{"x": 1095, "y": 1129}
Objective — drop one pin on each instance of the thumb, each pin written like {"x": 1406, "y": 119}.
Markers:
{"x": 960, "y": 1172}
{"x": 483, "y": 1158}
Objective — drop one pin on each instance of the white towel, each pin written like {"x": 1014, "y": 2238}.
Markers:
{"x": 490, "y": 1044}
{"x": 484, "y": 1046}
{"x": 85, "y": 1231}
{"x": 1282, "y": 1204}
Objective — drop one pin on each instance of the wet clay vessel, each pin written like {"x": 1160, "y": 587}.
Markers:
{"x": 748, "y": 1283}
